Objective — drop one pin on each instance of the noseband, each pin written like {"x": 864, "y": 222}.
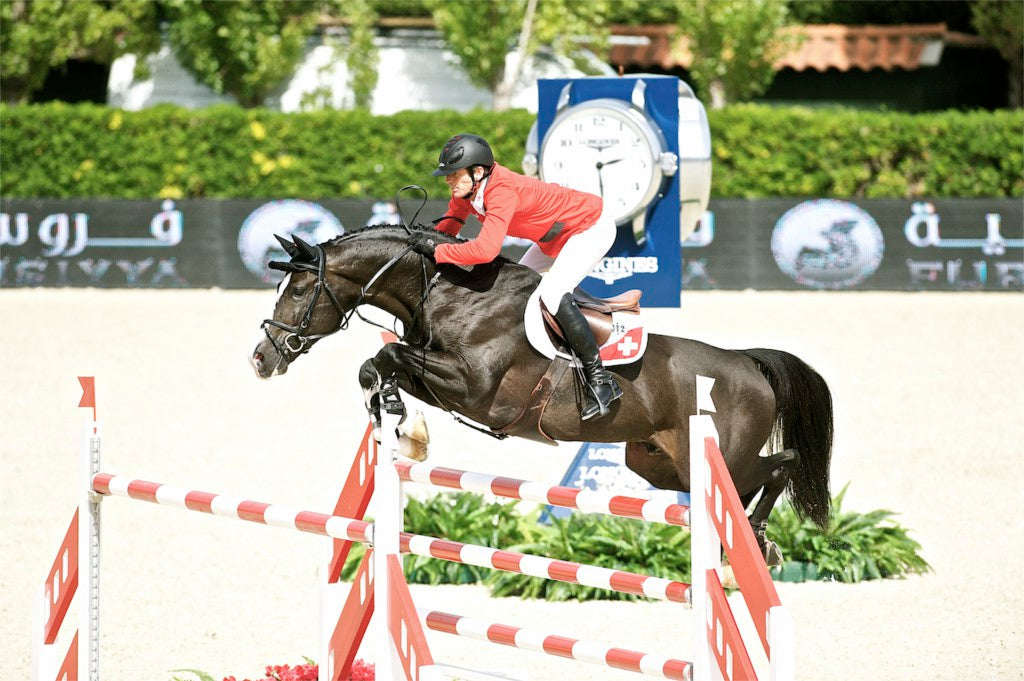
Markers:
{"x": 296, "y": 340}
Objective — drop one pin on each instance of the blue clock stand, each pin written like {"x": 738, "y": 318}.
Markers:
{"x": 655, "y": 264}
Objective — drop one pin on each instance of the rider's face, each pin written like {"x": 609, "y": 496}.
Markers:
{"x": 460, "y": 182}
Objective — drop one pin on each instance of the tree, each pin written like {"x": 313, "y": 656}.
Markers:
{"x": 38, "y": 36}
{"x": 356, "y": 47}
{"x": 482, "y": 33}
{"x": 361, "y": 56}
{"x": 1002, "y": 24}
{"x": 734, "y": 45}
{"x": 244, "y": 48}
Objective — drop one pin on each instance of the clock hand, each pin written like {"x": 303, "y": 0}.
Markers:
{"x": 600, "y": 179}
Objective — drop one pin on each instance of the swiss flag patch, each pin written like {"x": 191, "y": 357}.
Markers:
{"x": 627, "y": 342}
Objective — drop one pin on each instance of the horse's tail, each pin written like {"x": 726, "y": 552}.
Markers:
{"x": 803, "y": 421}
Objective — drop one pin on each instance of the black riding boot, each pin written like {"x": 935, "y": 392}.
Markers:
{"x": 601, "y": 389}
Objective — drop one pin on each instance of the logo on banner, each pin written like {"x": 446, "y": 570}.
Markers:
{"x": 68, "y": 249}
{"x": 827, "y": 244}
{"x": 610, "y": 270}
{"x": 257, "y": 245}
{"x": 961, "y": 269}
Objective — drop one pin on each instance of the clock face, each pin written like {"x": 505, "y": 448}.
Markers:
{"x": 607, "y": 151}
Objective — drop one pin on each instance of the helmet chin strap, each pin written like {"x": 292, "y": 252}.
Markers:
{"x": 472, "y": 190}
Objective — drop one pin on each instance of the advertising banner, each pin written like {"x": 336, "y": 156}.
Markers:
{"x": 881, "y": 244}
{"x": 814, "y": 244}
{"x": 650, "y": 262}
{"x": 109, "y": 243}
{"x": 166, "y": 244}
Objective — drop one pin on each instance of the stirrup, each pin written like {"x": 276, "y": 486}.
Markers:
{"x": 593, "y": 399}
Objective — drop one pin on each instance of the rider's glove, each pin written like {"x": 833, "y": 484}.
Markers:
{"x": 423, "y": 243}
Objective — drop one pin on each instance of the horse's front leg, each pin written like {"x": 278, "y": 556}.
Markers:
{"x": 369, "y": 381}
{"x": 425, "y": 374}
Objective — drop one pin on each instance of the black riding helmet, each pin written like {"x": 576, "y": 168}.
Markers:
{"x": 462, "y": 151}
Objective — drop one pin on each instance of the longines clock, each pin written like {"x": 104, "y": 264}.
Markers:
{"x": 612, "y": 148}
{"x": 618, "y": 137}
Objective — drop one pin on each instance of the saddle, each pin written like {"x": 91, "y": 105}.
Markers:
{"x": 598, "y": 312}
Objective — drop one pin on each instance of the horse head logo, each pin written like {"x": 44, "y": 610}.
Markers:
{"x": 842, "y": 254}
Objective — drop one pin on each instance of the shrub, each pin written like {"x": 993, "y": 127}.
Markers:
{"x": 855, "y": 547}
{"x": 85, "y": 150}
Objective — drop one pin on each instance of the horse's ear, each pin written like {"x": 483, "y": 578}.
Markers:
{"x": 306, "y": 252}
{"x": 288, "y": 246}
{"x": 281, "y": 266}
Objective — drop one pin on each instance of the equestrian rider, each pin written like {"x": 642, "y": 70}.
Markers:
{"x": 570, "y": 233}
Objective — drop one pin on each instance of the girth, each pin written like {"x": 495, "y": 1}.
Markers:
{"x": 527, "y": 423}
{"x": 598, "y": 312}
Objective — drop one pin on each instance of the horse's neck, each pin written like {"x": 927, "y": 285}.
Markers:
{"x": 396, "y": 291}
{"x": 399, "y": 291}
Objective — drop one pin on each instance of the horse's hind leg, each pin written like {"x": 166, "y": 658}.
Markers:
{"x": 781, "y": 466}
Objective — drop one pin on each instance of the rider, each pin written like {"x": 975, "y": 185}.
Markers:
{"x": 569, "y": 229}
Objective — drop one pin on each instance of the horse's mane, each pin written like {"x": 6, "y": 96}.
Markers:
{"x": 399, "y": 232}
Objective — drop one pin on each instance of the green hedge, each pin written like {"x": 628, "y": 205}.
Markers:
{"x": 60, "y": 150}
{"x": 763, "y": 152}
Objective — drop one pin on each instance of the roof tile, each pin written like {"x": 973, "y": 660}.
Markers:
{"x": 822, "y": 47}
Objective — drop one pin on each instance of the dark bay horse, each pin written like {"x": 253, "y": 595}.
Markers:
{"x": 465, "y": 343}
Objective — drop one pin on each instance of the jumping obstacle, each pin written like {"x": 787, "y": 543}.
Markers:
{"x": 716, "y": 520}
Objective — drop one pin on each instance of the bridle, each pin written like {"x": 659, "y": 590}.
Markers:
{"x": 296, "y": 340}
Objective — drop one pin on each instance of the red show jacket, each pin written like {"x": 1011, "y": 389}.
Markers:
{"x": 516, "y": 205}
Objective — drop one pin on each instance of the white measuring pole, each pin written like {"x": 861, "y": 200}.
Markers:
{"x": 387, "y": 525}
{"x": 705, "y": 546}
{"x": 89, "y": 557}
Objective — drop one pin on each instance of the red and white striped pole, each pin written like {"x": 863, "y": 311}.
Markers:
{"x": 275, "y": 515}
{"x": 560, "y": 646}
{"x": 588, "y": 501}
{"x": 546, "y": 568}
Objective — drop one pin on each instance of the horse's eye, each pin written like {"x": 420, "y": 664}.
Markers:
{"x": 299, "y": 292}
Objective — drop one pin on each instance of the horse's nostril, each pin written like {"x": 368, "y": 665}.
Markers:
{"x": 257, "y": 357}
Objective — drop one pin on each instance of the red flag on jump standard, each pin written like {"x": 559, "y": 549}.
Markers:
{"x": 88, "y": 393}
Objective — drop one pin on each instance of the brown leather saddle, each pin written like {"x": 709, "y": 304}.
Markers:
{"x": 598, "y": 312}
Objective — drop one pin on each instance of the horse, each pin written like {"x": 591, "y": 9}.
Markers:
{"x": 464, "y": 344}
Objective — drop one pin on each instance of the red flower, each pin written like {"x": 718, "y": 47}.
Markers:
{"x": 309, "y": 672}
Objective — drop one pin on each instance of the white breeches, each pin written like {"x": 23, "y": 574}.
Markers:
{"x": 574, "y": 262}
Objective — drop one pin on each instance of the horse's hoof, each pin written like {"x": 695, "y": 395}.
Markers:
{"x": 728, "y": 578}
{"x": 414, "y": 438}
{"x": 772, "y": 554}
{"x": 411, "y": 449}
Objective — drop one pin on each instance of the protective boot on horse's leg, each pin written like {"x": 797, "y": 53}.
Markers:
{"x": 600, "y": 388}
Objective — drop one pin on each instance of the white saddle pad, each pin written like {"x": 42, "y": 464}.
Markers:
{"x": 626, "y": 344}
